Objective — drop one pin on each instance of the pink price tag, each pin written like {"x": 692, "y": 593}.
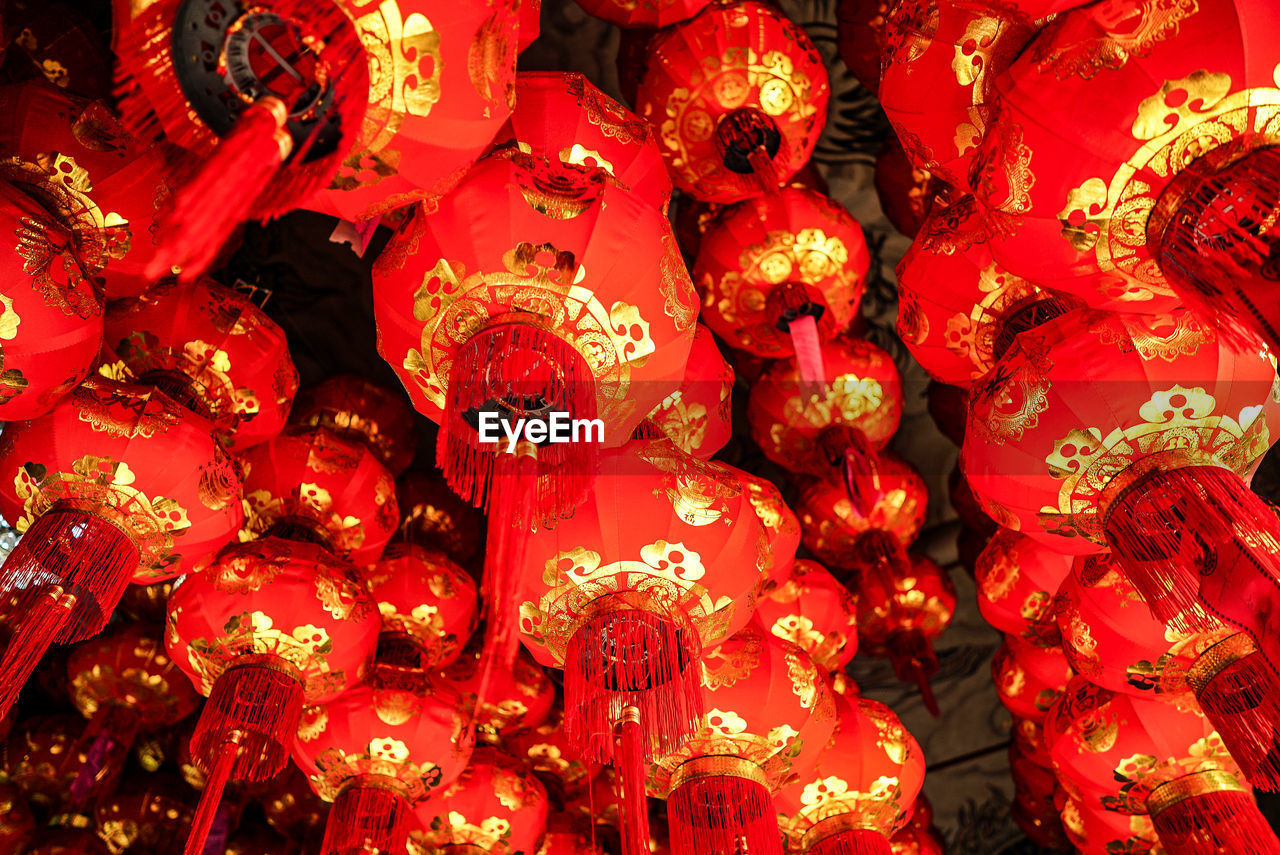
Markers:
{"x": 356, "y": 235}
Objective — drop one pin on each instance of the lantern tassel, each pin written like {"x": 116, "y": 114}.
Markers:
{"x": 1206, "y": 813}
{"x": 853, "y": 841}
{"x": 1237, "y": 693}
{"x": 369, "y": 815}
{"x": 914, "y": 661}
{"x": 764, "y": 169}
{"x": 631, "y": 766}
{"x": 804, "y": 339}
{"x": 722, "y": 805}
{"x": 211, "y": 797}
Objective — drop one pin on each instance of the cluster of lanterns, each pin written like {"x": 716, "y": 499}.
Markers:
{"x": 262, "y": 595}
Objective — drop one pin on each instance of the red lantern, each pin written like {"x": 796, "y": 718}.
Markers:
{"x": 1168, "y": 420}
{"x": 374, "y": 752}
{"x": 113, "y": 186}
{"x": 116, "y": 484}
{"x": 494, "y": 808}
{"x": 293, "y": 809}
{"x": 308, "y": 483}
{"x": 738, "y": 96}
{"x": 907, "y": 192}
{"x": 211, "y": 350}
{"x": 362, "y": 412}
{"x": 266, "y": 99}
{"x": 530, "y": 12}
{"x": 433, "y": 516}
{"x": 769, "y": 715}
{"x": 149, "y": 815}
{"x": 501, "y": 705}
{"x": 1154, "y": 757}
{"x": 61, "y": 43}
{"x": 43, "y": 757}
{"x": 271, "y": 625}
{"x": 650, "y": 14}
{"x": 563, "y": 837}
{"x": 1017, "y": 580}
{"x": 937, "y": 78}
{"x": 697, "y": 415}
{"x": 781, "y": 274}
{"x": 1029, "y": 678}
{"x": 863, "y": 789}
{"x": 781, "y": 527}
{"x": 859, "y": 37}
{"x": 514, "y": 298}
{"x": 564, "y": 120}
{"x": 814, "y": 612}
{"x": 1095, "y": 831}
{"x": 17, "y": 825}
{"x": 547, "y": 752}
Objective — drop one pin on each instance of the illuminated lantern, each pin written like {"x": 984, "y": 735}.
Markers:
{"x": 269, "y": 626}
{"x": 517, "y": 298}
{"x": 211, "y": 350}
{"x": 1017, "y": 580}
{"x": 918, "y": 836}
{"x": 814, "y": 612}
{"x": 433, "y": 516}
{"x": 859, "y": 37}
{"x": 293, "y": 809}
{"x": 697, "y": 415}
{"x": 1096, "y": 831}
{"x": 1161, "y": 185}
{"x": 957, "y": 332}
{"x": 1029, "y": 678}
{"x": 502, "y": 705}
{"x": 150, "y": 815}
{"x": 374, "y": 752}
{"x": 427, "y": 605}
{"x": 781, "y": 274}
{"x": 112, "y": 186}
{"x": 116, "y": 484}
{"x": 738, "y": 96}
{"x": 441, "y": 85}
{"x": 309, "y": 484}
{"x": 1133, "y": 432}
{"x": 50, "y": 310}
{"x": 359, "y": 411}
{"x": 830, "y": 525}
{"x": 650, "y": 14}
{"x": 907, "y": 193}
{"x": 1158, "y": 758}
{"x": 43, "y": 758}
{"x": 124, "y": 683}
{"x": 547, "y": 752}
{"x": 267, "y": 99}
{"x": 493, "y": 808}
{"x": 862, "y": 791}
{"x": 563, "y": 119}
{"x": 937, "y": 78}
{"x": 769, "y": 715}
{"x": 837, "y": 426}
{"x": 781, "y": 527}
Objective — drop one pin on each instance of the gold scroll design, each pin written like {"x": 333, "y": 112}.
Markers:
{"x": 1185, "y": 119}
{"x": 847, "y": 399}
{"x": 103, "y": 486}
{"x": 1144, "y": 24}
{"x": 542, "y": 283}
{"x": 398, "y": 49}
{"x": 491, "y": 833}
{"x": 726, "y": 732}
{"x": 988, "y": 45}
{"x": 1176, "y": 418}
{"x": 208, "y": 366}
{"x": 383, "y": 756}
{"x": 999, "y": 567}
{"x": 727, "y": 82}
{"x": 143, "y": 683}
{"x": 972, "y": 336}
{"x": 254, "y": 633}
{"x": 614, "y": 122}
{"x": 667, "y": 575}
{"x": 679, "y": 297}
{"x": 1139, "y": 774}
{"x": 263, "y": 509}
{"x": 809, "y": 255}
{"x": 1008, "y": 401}
{"x": 879, "y": 805}
{"x": 701, "y": 492}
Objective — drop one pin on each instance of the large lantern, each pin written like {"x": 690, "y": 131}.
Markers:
{"x": 1029, "y": 678}
{"x": 697, "y": 416}
{"x": 45, "y": 758}
{"x": 864, "y": 786}
{"x": 433, "y": 516}
{"x": 269, "y": 626}
{"x": 116, "y": 484}
{"x": 813, "y": 611}
{"x": 547, "y": 752}
{"x": 374, "y": 752}
{"x": 781, "y": 274}
{"x": 1017, "y": 579}
{"x": 211, "y": 350}
{"x": 738, "y": 96}
{"x": 151, "y": 814}
{"x": 363, "y": 412}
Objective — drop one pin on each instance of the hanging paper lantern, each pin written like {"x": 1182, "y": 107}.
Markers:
{"x": 814, "y": 612}
{"x": 781, "y": 274}
{"x": 738, "y": 96}
{"x": 441, "y": 85}
{"x": 907, "y": 192}
{"x": 433, "y": 516}
{"x": 855, "y": 411}
{"x": 50, "y": 307}
{"x": 949, "y": 408}
{"x": 293, "y": 809}
{"x": 1017, "y": 579}
{"x": 831, "y": 525}
{"x": 124, "y": 683}
{"x": 937, "y": 78}
{"x": 362, "y": 412}
{"x": 957, "y": 332}
{"x": 918, "y": 836}
{"x": 859, "y": 36}
{"x": 308, "y": 483}
{"x": 502, "y": 705}
{"x": 1168, "y": 420}
{"x": 547, "y": 752}
{"x": 267, "y": 99}
{"x": 769, "y": 715}
{"x": 211, "y": 350}
{"x": 863, "y": 789}
{"x": 1159, "y": 758}
{"x": 562, "y": 119}
{"x": 116, "y": 484}
{"x": 1097, "y": 831}
{"x": 112, "y": 186}
{"x": 427, "y": 604}
{"x": 781, "y": 527}
{"x": 1029, "y": 678}
{"x": 150, "y": 816}
{"x": 43, "y": 758}
{"x": 650, "y": 14}
{"x": 697, "y": 416}
{"x": 517, "y": 298}
{"x": 375, "y": 752}
{"x": 271, "y": 625}
{"x": 493, "y": 808}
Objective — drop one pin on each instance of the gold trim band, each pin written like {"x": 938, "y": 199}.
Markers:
{"x": 1217, "y": 657}
{"x": 833, "y": 825}
{"x": 1178, "y": 790}
{"x": 1139, "y": 472}
{"x": 717, "y": 766}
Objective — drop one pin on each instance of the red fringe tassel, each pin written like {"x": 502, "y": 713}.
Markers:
{"x": 633, "y": 802}
{"x": 723, "y": 815}
{"x": 367, "y": 817}
{"x": 1221, "y": 821}
{"x": 914, "y": 661}
{"x": 1240, "y": 700}
{"x": 853, "y": 841}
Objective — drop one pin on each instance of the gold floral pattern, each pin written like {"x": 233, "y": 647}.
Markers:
{"x": 1124, "y": 30}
